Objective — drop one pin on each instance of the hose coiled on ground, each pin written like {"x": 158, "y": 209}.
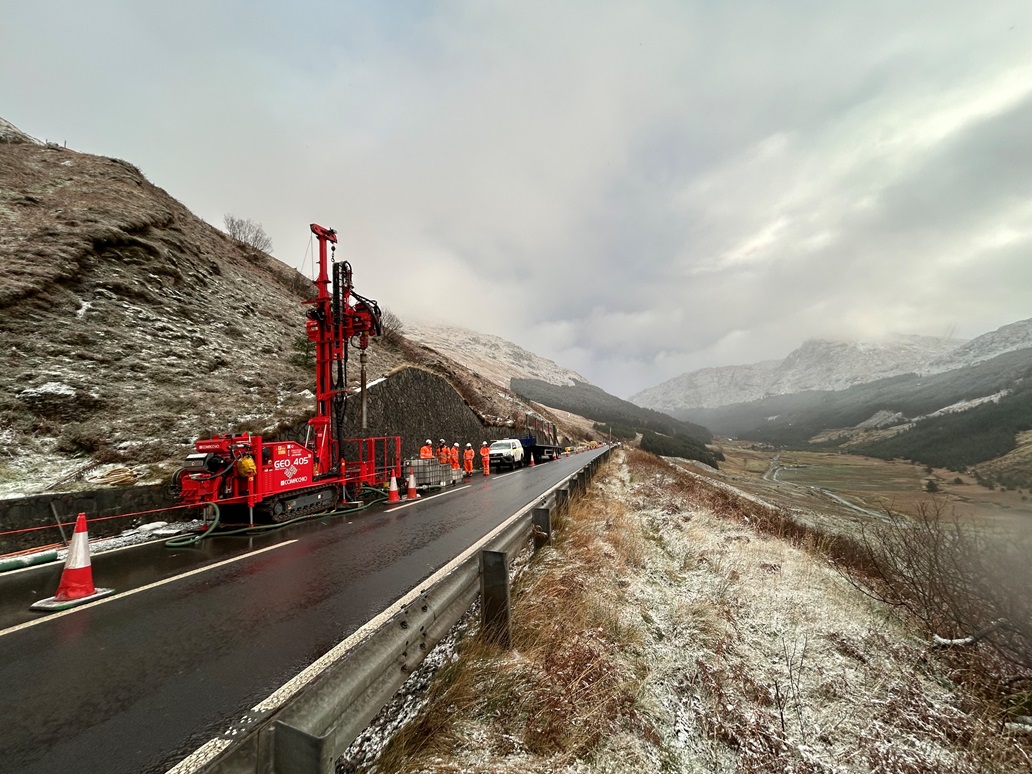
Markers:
{"x": 183, "y": 541}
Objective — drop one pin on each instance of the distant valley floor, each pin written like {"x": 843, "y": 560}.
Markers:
{"x": 806, "y": 482}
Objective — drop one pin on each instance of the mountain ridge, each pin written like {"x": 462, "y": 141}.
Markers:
{"x": 826, "y": 365}
{"x": 493, "y": 357}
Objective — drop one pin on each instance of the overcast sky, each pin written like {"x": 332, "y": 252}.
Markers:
{"x": 634, "y": 190}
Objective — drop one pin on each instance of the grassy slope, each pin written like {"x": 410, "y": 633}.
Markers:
{"x": 669, "y": 630}
{"x": 159, "y": 327}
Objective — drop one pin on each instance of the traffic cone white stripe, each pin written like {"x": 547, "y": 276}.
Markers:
{"x": 76, "y": 586}
{"x": 79, "y": 550}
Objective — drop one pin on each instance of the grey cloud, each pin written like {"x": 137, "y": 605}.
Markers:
{"x": 980, "y": 172}
{"x": 632, "y": 190}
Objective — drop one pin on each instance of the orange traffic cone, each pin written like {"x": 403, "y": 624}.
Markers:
{"x": 412, "y": 494}
{"x": 76, "y": 586}
{"x": 531, "y": 460}
{"x": 392, "y": 493}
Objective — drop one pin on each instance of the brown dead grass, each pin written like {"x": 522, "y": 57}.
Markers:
{"x": 677, "y": 626}
{"x": 570, "y": 680}
{"x": 760, "y": 724}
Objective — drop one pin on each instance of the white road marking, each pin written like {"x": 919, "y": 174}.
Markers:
{"x": 149, "y": 586}
{"x": 214, "y": 747}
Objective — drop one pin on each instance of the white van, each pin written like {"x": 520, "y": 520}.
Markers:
{"x": 507, "y": 452}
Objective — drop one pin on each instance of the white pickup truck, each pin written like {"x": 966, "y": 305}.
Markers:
{"x": 508, "y": 453}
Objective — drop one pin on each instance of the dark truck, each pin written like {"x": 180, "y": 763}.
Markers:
{"x": 540, "y": 439}
{"x": 536, "y": 441}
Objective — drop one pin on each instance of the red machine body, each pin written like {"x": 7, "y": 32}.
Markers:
{"x": 282, "y": 480}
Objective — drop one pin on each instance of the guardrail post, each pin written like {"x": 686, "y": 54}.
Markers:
{"x": 494, "y": 597}
{"x": 542, "y": 521}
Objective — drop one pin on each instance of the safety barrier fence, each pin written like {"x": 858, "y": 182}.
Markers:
{"x": 308, "y": 732}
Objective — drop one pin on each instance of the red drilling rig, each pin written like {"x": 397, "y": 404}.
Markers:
{"x": 281, "y": 480}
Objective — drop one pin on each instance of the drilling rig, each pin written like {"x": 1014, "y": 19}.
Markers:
{"x": 248, "y": 476}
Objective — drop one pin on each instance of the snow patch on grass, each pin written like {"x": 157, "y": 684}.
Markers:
{"x": 738, "y": 652}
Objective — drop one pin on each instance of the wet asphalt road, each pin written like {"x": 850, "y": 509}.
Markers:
{"x": 136, "y": 684}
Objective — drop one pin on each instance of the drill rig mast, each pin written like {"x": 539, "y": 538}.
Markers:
{"x": 332, "y": 324}
{"x": 282, "y": 480}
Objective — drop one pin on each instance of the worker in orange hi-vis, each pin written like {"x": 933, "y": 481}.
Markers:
{"x": 444, "y": 453}
{"x": 485, "y": 458}
{"x": 427, "y": 452}
{"x": 455, "y": 456}
{"x": 467, "y": 459}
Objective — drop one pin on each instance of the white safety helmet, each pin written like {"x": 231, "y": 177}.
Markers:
{"x": 469, "y": 446}
{"x": 484, "y": 443}
{"x": 455, "y": 444}
{"x": 442, "y": 440}
{"x": 428, "y": 440}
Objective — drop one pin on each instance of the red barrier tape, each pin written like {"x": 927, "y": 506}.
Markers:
{"x": 90, "y": 521}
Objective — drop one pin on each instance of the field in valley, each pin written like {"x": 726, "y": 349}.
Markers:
{"x": 801, "y": 480}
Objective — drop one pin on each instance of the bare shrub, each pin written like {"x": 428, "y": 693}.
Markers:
{"x": 960, "y": 582}
{"x": 300, "y": 284}
{"x": 391, "y": 325}
{"x": 248, "y": 233}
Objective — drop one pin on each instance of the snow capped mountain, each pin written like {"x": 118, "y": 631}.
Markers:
{"x": 1017, "y": 335}
{"x": 831, "y": 365}
{"x": 816, "y": 365}
{"x": 492, "y": 357}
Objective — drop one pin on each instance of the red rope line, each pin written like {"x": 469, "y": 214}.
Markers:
{"x": 90, "y": 521}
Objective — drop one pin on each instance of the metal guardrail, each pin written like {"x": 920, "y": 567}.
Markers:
{"x": 313, "y": 728}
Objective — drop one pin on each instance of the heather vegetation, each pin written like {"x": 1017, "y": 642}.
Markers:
{"x": 678, "y": 624}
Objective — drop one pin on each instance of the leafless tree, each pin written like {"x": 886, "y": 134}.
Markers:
{"x": 392, "y": 326}
{"x": 248, "y": 232}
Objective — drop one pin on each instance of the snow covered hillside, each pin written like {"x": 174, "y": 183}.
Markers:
{"x": 492, "y": 357}
{"x": 1017, "y": 335}
{"x": 816, "y": 365}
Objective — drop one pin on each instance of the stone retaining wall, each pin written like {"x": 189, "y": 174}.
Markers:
{"x": 44, "y": 511}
